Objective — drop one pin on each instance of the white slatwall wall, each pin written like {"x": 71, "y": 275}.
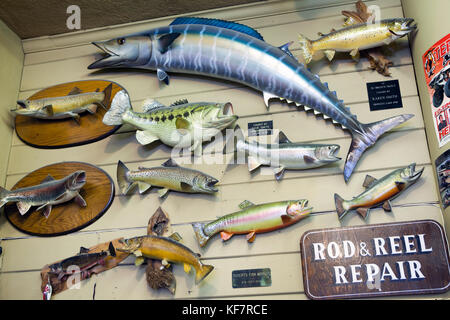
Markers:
{"x": 50, "y": 61}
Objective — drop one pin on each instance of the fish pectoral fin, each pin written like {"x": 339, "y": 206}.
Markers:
{"x": 387, "y": 206}
{"x": 49, "y": 109}
{"x": 329, "y": 54}
{"x": 355, "y": 54}
{"x": 267, "y": 96}
{"x": 252, "y": 163}
{"x": 368, "y": 181}
{"x": 162, "y": 192}
{"x": 139, "y": 260}
{"x": 251, "y": 236}
{"x": 137, "y": 253}
{"x": 145, "y": 137}
{"x": 48, "y": 178}
{"x": 143, "y": 186}
{"x": 400, "y": 185}
{"x": 308, "y": 159}
{"x": 246, "y": 204}
{"x": 285, "y": 218}
{"x": 92, "y": 109}
{"x": 181, "y": 123}
{"x": 278, "y": 173}
{"x": 75, "y": 116}
{"x": 185, "y": 186}
{"x": 187, "y": 268}
{"x": 363, "y": 211}
{"x": 162, "y": 76}
{"x": 75, "y": 91}
{"x": 23, "y": 207}
{"x": 80, "y": 200}
{"x": 47, "y": 209}
{"x": 225, "y": 235}
{"x": 166, "y": 40}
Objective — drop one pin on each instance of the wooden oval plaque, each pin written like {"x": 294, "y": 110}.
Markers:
{"x": 69, "y": 216}
{"x": 50, "y": 134}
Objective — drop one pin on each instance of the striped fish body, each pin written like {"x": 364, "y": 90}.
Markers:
{"x": 253, "y": 219}
{"x": 205, "y": 49}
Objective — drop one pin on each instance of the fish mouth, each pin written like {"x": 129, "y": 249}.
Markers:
{"x": 109, "y": 59}
{"x": 414, "y": 175}
{"x": 78, "y": 180}
{"x": 406, "y": 27}
{"x": 210, "y": 186}
{"x": 332, "y": 155}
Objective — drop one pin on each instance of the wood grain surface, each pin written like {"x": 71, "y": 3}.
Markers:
{"x": 60, "y": 133}
{"x": 69, "y": 216}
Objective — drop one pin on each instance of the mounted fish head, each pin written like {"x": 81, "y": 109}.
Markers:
{"x": 327, "y": 153}
{"x": 218, "y": 115}
{"x": 130, "y": 245}
{"x": 204, "y": 183}
{"x": 76, "y": 180}
{"x": 130, "y": 51}
{"x": 298, "y": 209}
{"x": 28, "y": 108}
{"x": 401, "y": 27}
{"x": 409, "y": 175}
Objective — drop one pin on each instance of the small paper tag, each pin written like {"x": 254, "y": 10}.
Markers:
{"x": 384, "y": 95}
{"x": 261, "y": 128}
{"x": 251, "y": 278}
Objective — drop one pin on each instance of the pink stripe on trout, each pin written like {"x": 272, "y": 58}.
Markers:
{"x": 253, "y": 219}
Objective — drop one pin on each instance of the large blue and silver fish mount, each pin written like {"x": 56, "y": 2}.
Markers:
{"x": 239, "y": 53}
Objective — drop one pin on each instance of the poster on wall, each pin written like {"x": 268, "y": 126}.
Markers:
{"x": 436, "y": 62}
{"x": 443, "y": 175}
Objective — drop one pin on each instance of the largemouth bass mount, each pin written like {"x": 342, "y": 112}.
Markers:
{"x": 379, "y": 192}
{"x": 239, "y": 53}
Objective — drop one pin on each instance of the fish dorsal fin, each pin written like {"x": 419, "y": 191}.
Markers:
{"x": 170, "y": 163}
{"x": 150, "y": 105}
{"x": 246, "y": 204}
{"x": 83, "y": 250}
{"x": 282, "y": 138}
{"x": 175, "y": 236}
{"x": 368, "y": 181}
{"x": 48, "y": 178}
{"x": 179, "y": 102}
{"x": 74, "y": 91}
{"x": 219, "y": 23}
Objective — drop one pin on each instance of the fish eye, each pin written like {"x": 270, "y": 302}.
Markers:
{"x": 121, "y": 41}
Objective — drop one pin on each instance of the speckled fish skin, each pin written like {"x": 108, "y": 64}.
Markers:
{"x": 180, "y": 125}
{"x": 195, "y": 46}
{"x": 46, "y": 194}
{"x": 162, "y": 248}
{"x": 63, "y": 107}
{"x": 169, "y": 176}
{"x": 357, "y": 37}
{"x": 253, "y": 219}
{"x": 379, "y": 191}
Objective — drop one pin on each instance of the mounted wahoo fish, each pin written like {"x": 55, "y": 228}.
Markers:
{"x": 357, "y": 37}
{"x": 47, "y": 194}
{"x": 379, "y": 192}
{"x": 169, "y": 176}
{"x": 85, "y": 261}
{"x": 281, "y": 156}
{"x": 167, "y": 250}
{"x": 182, "y": 124}
{"x": 239, "y": 53}
{"x": 253, "y": 219}
{"x": 69, "y": 106}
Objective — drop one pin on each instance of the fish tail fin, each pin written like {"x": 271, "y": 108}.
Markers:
{"x": 202, "y": 238}
{"x": 107, "y": 91}
{"x": 3, "y": 194}
{"x": 122, "y": 178}
{"x": 306, "y": 48}
{"x": 230, "y": 144}
{"x": 367, "y": 137}
{"x": 202, "y": 272}
{"x": 339, "y": 202}
{"x": 119, "y": 105}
